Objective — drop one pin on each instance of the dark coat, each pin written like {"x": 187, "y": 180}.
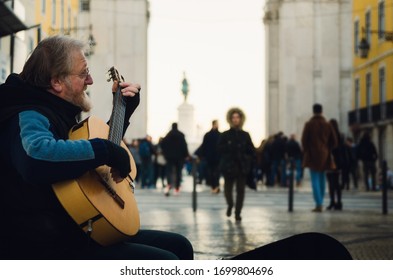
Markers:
{"x": 366, "y": 150}
{"x": 277, "y": 148}
{"x": 318, "y": 140}
{"x": 174, "y": 146}
{"x": 209, "y": 149}
{"x": 293, "y": 149}
{"x": 237, "y": 152}
{"x": 341, "y": 154}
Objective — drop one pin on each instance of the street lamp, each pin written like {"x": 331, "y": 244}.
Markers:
{"x": 92, "y": 42}
{"x": 364, "y": 45}
{"x": 364, "y": 48}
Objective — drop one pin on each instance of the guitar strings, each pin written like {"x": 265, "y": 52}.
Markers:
{"x": 117, "y": 119}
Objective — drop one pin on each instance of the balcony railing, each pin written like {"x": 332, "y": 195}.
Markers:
{"x": 375, "y": 113}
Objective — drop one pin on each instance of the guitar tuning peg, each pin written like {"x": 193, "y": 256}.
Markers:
{"x": 108, "y": 75}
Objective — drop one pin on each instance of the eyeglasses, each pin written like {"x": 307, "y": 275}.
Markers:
{"x": 83, "y": 75}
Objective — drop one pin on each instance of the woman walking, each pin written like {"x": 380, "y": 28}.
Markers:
{"x": 334, "y": 176}
{"x": 237, "y": 152}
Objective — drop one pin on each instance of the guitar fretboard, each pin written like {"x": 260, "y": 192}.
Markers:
{"x": 116, "y": 123}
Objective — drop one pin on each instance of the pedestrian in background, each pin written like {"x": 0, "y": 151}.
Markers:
{"x": 260, "y": 163}
{"x": 334, "y": 176}
{"x": 159, "y": 164}
{"x": 351, "y": 169}
{"x": 236, "y": 154}
{"x": 367, "y": 153}
{"x": 209, "y": 152}
{"x": 175, "y": 150}
{"x": 134, "y": 149}
{"x": 294, "y": 154}
{"x": 279, "y": 163}
{"x": 146, "y": 153}
{"x": 318, "y": 140}
{"x": 264, "y": 160}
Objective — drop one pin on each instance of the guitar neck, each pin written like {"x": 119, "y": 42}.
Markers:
{"x": 116, "y": 123}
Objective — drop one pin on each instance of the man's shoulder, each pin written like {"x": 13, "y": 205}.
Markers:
{"x": 317, "y": 120}
{"x": 212, "y": 133}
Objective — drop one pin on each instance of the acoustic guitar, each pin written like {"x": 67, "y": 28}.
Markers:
{"x": 105, "y": 210}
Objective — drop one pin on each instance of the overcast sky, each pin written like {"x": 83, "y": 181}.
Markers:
{"x": 219, "y": 44}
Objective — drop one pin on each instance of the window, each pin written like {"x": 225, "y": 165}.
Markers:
{"x": 85, "y": 5}
{"x": 62, "y": 15}
{"x": 368, "y": 96}
{"x": 368, "y": 27}
{"x": 357, "y": 99}
{"x": 54, "y": 12}
{"x": 43, "y": 7}
{"x": 381, "y": 19}
{"x": 382, "y": 92}
{"x": 69, "y": 17}
{"x": 356, "y": 36}
{"x": 31, "y": 44}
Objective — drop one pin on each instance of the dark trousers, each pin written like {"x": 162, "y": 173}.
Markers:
{"x": 147, "y": 170}
{"x": 369, "y": 168}
{"x": 240, "y": 182}
{"x": 160, "y": 173}
{"x": 348, "y": 172}
{"x": 173, "y": 173}
{"x": 213, "y": 175}
{"x": 354, "y": 173}
{"x": 333, "y": 178}
{"x": 305, "y": 246}
{"x": 279, "y": 166}
{"x": 145, "y": 245}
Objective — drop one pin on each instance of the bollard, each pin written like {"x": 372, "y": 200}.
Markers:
{"x": 290, "y": 187}
{"x": 384, "y": 188}
{"x": 194, "y": 184}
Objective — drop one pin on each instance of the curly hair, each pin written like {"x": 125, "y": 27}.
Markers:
{"x": 238, "y": 111}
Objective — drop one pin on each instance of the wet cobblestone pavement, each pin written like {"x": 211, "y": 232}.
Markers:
{"x": 360, "y": 226}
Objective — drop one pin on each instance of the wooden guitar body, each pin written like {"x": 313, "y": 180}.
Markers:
{"x": 104, "y": 209}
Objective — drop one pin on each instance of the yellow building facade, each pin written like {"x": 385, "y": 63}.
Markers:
{"x": 57, "y": 16}
{"x": 68, "y": 17}
{"x": 372, "y": 100}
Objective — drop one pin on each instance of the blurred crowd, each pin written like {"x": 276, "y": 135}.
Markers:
{"x": 275, "y": 158}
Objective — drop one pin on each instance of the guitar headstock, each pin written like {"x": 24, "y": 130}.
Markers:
{"x": 115, "y": 76}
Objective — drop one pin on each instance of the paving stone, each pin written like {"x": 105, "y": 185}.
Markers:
{"x": 360, "y": 226}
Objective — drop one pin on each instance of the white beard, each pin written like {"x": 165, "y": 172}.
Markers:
{"x": 83, "y": 101}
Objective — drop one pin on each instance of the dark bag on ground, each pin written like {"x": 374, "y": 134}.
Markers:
{"x": 305, "y": 246}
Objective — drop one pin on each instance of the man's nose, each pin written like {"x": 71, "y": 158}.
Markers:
{"x": 89, "y": 79}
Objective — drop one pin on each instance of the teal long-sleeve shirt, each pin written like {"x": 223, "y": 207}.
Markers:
{"x": 40, "y": 158}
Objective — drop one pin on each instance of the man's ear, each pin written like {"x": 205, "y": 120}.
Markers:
{"x": 57, "y": 85}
